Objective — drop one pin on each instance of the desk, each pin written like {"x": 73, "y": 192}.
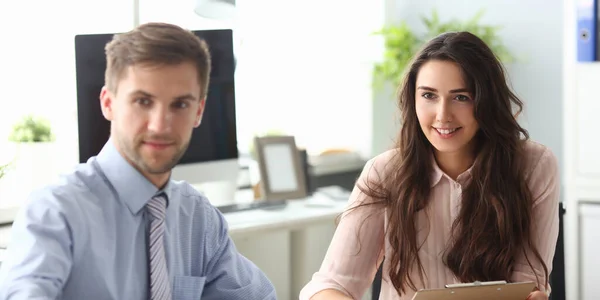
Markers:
{"x": 293, "y": 216}
{"x": 289, "y": 244}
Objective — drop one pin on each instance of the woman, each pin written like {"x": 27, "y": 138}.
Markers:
{"x": 464, "y": 196}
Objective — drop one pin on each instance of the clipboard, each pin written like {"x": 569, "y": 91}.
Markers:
{"x": 489, "y": 290}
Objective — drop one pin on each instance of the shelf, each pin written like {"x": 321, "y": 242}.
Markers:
{"x": 592, "y": 64}
{"x": 587, "y": 189}
{"x": 585, "y": 99}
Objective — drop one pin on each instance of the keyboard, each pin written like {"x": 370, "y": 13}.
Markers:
{"x": 267, "y": 205}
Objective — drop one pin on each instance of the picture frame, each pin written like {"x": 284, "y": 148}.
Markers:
{"x": 281, "y": 171}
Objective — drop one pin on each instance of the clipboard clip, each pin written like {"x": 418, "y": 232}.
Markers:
{"x": 475, "y": 283}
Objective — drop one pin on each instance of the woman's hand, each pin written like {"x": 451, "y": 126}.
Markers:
{"x": 537, "y": 295}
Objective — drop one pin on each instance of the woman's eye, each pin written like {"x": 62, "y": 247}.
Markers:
{"x": 427, "y": 95}
{"x": 462, "y": 98}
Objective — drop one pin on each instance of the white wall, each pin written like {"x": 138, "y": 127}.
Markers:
{"x": 533, "y": 34}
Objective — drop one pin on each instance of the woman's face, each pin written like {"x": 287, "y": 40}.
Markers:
{"x": 445, "y": 107}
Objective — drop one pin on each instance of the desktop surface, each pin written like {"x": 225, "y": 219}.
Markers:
{"x": 238, "y": 207}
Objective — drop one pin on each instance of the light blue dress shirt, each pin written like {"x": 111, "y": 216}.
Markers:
{"x": 85, "y": 238}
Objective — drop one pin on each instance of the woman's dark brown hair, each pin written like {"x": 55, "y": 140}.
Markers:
{"x": 493, "y": 225}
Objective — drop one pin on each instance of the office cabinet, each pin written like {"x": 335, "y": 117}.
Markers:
{"x": 586, "y": 135}
{"x": 589, "y": 216}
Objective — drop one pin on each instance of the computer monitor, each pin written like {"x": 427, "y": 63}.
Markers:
{"x": 212, "y": 154}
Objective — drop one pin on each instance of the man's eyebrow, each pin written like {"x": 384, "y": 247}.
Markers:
{"x": 148, "y": 95}
{"x": 142, "y": 93}
{"x": 185, "y": 97}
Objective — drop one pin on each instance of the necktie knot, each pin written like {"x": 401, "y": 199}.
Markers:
{"x": 157, "y": 206}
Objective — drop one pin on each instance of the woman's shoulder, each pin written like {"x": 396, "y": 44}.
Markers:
{"x": 540, "y": 160}
{"x": 378, "y": 165}
{"x": 381, "y": 161}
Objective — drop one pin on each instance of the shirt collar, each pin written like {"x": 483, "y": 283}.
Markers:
{"x": 437, "y": 174}
{"x": 131, "y": 186}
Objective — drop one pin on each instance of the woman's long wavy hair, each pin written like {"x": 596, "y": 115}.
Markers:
{"x": 493, "y": 225}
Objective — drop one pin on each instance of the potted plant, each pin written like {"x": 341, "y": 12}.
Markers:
{"x": 5, "y": 185}
{"x": 34, "y": 142}
{"x": 401, "y": 43}
{"x": 32, "y": 129}
{"x": 4, "y": 169}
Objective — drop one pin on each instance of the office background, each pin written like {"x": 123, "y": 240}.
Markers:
{"x": 305, "y": 68}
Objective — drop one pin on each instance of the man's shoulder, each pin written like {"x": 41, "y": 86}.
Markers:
{"x": 68, "y": 188}
{"x": 192, "y": 199}
{"x": 197, "y": 212}
{"x": 186, "y": 190}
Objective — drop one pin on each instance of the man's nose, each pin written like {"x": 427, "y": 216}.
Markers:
{"x": 160, "y": 120}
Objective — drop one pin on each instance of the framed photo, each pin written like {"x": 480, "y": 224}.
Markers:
{"x": 281, "y": 172}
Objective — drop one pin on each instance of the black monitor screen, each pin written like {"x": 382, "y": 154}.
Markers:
{"x": 214, "y": 139}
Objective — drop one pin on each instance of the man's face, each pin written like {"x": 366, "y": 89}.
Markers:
{"x": 152, "y": 115}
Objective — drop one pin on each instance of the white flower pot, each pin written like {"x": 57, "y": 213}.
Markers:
{"x": 35, "y": 166}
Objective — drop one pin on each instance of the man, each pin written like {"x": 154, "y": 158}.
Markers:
{"x": 118, "y": 227}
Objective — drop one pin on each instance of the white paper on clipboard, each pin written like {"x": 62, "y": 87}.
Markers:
{"x": 496, "y": 290}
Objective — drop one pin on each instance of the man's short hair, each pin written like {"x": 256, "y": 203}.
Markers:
{"x": 156, "y": 44}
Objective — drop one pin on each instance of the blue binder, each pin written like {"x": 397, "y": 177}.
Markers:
{"x": 587, "y": 30}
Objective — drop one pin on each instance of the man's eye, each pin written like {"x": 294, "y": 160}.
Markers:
{"x": 181, "y": 104}
{"x": 143, "y": 101}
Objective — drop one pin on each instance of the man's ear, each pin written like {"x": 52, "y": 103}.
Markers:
{"x": 200, "y": 112}
{"x": 106, "y": 102}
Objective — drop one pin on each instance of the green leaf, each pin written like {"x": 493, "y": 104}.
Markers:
{"x": 5, "y": 168}
{"x": 401, "y": 43}
{"x": 32, "y": 129}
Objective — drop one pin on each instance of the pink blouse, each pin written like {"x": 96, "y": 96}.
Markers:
{"x": 352, "y": 274}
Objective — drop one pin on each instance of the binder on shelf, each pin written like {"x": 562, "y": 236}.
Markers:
{"x": 587, "y": 30}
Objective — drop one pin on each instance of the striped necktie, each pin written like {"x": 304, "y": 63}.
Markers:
{"x": 160, "y": 287}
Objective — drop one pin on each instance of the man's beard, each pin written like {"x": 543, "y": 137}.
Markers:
{"x": 134, "y": 154}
